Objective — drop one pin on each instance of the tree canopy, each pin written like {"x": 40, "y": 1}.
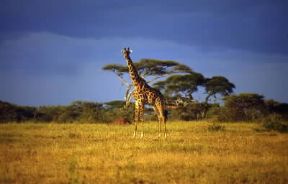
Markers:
{"x": 181, "y": 85}
{"x": 150, "y": 67}
{"x": 218, "y": 85}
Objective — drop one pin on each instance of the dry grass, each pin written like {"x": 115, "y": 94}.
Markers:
{"x": 192, "y": 153}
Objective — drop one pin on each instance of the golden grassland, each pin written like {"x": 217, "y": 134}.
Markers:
{"x": 99, "y": 153}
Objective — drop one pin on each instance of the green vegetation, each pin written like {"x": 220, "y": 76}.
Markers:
{"x": 275, "y": 122}
{"x": 100, "y": 153}
{"x": 242, "y": 107}
{"x": 78, "y": 111}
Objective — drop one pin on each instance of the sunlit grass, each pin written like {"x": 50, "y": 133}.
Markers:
{"x": 99, "y": 153}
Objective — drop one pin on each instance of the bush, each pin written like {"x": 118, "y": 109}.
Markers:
{"x": 242, "y": 107}
{"x": 275, "y": 122}
{"x": 188, "y": 112}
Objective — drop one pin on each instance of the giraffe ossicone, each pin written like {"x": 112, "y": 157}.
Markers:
{"x": 145, "y": 94}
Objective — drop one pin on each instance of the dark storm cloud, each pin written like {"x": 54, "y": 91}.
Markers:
{"x": 258, "y": 26}
{"x": 52, "y": 51}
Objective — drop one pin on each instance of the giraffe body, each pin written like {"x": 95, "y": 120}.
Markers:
{"x": 145, "y": 94}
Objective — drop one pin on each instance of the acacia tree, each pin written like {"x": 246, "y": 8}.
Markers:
{"x": 151, "y": 70}
{"x": 181, "y": 85}
{"x": 218, "y": 85}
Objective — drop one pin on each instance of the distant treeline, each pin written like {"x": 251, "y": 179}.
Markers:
{"x": 78, "y": 111}
{"x": 242, "y": 107}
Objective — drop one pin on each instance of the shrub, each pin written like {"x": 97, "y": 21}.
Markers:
{"x": 275, "y": 122}
{"x": 243, "y": 107}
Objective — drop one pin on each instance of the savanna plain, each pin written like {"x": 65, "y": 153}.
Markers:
{"x": 193, "y": 152}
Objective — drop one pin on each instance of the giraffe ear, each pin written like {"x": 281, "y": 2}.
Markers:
{"x": 123, "y": 50}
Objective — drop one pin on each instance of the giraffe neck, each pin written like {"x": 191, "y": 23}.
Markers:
{"x": 132, "y": 71}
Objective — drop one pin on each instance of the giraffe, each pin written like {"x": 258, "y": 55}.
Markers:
{"x": 145, "y": 94}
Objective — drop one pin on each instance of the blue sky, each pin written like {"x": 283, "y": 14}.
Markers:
{"x": 51, "y": 52}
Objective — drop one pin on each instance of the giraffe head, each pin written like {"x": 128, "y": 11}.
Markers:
{"x": 126, "y": 52}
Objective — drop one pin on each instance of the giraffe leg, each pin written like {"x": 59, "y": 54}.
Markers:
{"x": 136, "y": 118}
{"x": 163, "y": 120}
{"x": 161, "y": 117}
{"x": 141, "y": 118}
{"x": 159, "y": 121}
